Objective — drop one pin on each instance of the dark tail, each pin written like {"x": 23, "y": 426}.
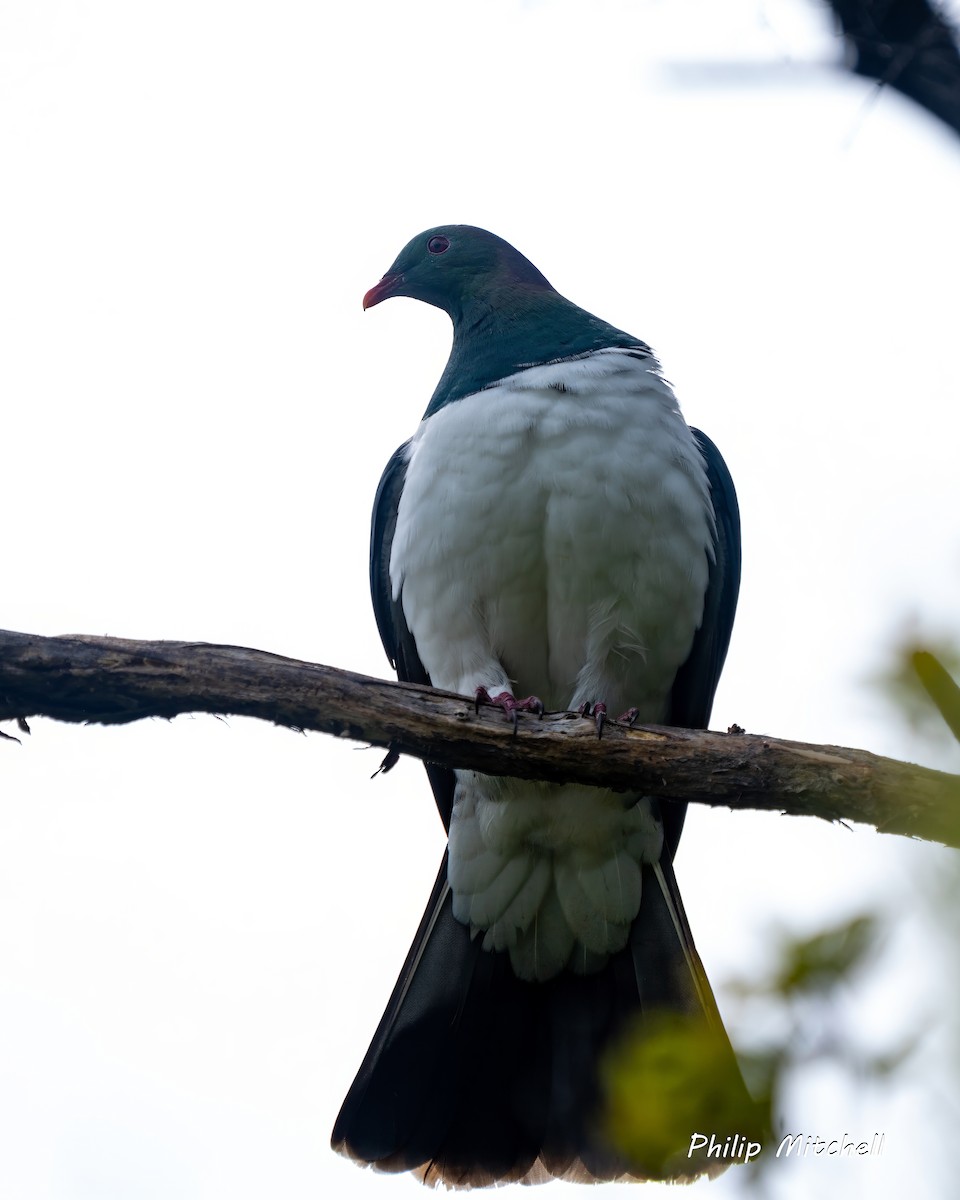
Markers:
{"x": 476, "y": 1077}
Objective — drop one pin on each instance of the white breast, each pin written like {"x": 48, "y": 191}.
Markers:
{"x": 553, "y": 538}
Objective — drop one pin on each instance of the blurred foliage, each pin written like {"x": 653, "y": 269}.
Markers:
{"x": 939, "y": 686}
{"x": 815, "y": 964}
{"x": 673, "y": 1076}
{"x": 804, "y": 981}
{"x": 918, "y": 680}
{"x": 670, "y": 1078}
{"x": 918, "y": 671}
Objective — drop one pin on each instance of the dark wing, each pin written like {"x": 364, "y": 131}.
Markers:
{"x": 396, "y": 637}
{"x": 692, "y": 697}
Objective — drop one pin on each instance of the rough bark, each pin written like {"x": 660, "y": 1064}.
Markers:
{"x": 113, "y": 680}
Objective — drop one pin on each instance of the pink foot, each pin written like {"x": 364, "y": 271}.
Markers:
{"x": 510, "y": 705}
{"x": 629, "y": 717}
{"x": 598, "y": 711}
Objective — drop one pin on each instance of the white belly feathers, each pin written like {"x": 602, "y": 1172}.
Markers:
{"x": 552, "y": 539}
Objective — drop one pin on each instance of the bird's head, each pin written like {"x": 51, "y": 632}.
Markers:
{"x": 457, "y": 267}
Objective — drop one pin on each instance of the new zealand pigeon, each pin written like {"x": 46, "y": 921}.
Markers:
{"x": 553, "y": 531}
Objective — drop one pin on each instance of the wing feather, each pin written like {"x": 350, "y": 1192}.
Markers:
{"x": 691, "y": 698}
{"x": 395, "y": 634}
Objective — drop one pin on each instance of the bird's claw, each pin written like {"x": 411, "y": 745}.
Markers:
{"x": 599, "y": 713}
{"x": 509, "y": 703}
{"x": 390, "y": 761}
{"x": 629, "y": 717}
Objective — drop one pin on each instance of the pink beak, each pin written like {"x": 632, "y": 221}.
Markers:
{"x": 382, "y": 290}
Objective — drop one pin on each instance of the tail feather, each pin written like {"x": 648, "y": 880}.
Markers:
{"x": 476, "y": 1077}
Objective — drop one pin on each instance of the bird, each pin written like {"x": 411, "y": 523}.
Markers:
{"x": 553, "y": 537}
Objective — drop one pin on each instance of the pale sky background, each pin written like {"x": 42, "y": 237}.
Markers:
{"x": 201, "y": 920}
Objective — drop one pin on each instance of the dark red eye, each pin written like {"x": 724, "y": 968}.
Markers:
{"x": 438, "y": 244}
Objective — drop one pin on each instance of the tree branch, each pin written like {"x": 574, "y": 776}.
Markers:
{"x": 113, "y": 680}
{"x": 909, "y": 45}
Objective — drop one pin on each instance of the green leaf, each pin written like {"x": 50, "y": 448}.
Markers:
{"x": 672, "y": 1077}
{"x": 940, "y": 687}
{"x": 819, "y": 962}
